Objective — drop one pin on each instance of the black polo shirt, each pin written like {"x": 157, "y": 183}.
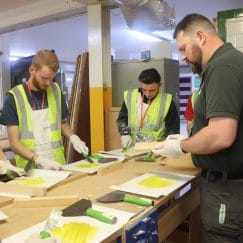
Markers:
{"x": 221, "y": 95}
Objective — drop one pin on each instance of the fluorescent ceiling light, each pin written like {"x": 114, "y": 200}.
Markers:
{"x": 165, "y": 34}
{"x": 144, "y": 36}
{"x": 13, "y": 58}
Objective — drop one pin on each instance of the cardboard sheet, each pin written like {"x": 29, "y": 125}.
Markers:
{"x": 98, "y": 230}
{"x": 87, "y": 167}
{"x": 41, "y": 178}
{"x": 154, "y": 184}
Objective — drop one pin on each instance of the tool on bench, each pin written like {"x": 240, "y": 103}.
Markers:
{"x": 88, "y": 158}
{"x": 99, "y": 158}
{"x": 117, "y": 196}
{"x": 149, "y": 157}
{"x": 51, "y": 223}
{"x": 84, "y": 207}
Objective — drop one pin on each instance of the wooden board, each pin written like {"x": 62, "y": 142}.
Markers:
{"x": 22, "y": 190}
{"x": 37, "y": 202}
{"x": 5, "y": 201}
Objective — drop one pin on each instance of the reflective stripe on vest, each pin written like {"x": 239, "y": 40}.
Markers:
{"x": 154, "y": 123}
{"x": 25, "y": 122}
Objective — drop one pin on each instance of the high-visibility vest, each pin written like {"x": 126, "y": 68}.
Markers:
{"x": 25, "y": 121}
{"x": 154, "y": 121}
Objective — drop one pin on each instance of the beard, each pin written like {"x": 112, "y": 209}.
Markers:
{"x": 197, "y": 64}
{"x": 35, "y": 83}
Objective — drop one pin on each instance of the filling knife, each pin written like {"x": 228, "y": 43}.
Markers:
{"x": 117, "y": 196}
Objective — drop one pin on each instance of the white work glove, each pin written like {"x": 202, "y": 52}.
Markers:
{"x": 46, "y": 163}
{"x": 35, "y": 238}
{"x": 6, "y": 165}
{"x": 79, "y": 145}
{"x": 126, "y": 141}
{"x": 171, "y": 147}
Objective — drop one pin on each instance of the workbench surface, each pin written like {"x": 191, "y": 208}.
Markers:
{"x": 96, "y": 185}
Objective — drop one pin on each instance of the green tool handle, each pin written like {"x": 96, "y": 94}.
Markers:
{"x": 44, "y": 234}
{"x": 149, "y": 155}
{"x": 109, "y": 219}
{"x": 96, "y": 156}
{"x": 138, "y": 200}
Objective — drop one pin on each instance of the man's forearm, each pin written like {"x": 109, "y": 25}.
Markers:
{"x": 24, "y": 152}
{"x": 66, "y": 129}
{"x": 206, "y": 141}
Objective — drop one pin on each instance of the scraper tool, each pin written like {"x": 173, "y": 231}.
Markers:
{"x": 84, "y": 208}
{"x": 117, "y": 196}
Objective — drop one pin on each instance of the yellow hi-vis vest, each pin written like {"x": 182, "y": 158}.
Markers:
{"x": 154, "y": 121}
{"x": 25, "y": 122}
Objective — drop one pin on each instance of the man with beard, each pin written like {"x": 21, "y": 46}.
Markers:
{"x": 35, "y": 114}
{"x": 217, "y": 134}
{"x": 147, "y": 113}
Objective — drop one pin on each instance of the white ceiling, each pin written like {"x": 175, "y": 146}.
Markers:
{"x": 8, "y": 4}
{"x": 69, "y": 37}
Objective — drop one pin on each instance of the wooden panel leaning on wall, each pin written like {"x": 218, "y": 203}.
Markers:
{"x": 112, "y": 136}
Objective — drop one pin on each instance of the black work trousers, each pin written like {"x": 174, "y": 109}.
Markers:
{"x": 221, "y": 210}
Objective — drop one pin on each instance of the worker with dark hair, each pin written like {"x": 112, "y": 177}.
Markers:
{"x": 147, "y": 113}
{"x": 216, "y": 140}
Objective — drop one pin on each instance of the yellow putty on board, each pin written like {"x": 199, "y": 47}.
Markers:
{"x": 156, "y": 182}
{"x": 75, "y": 232}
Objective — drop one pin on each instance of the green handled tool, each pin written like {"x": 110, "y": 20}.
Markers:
{"x": 149, "y": 157}
{"x": 117, "y": 196}
{"x": 84, "y": 207}
{"x": 100, "y": 159}
{"x": 88, "y": 158}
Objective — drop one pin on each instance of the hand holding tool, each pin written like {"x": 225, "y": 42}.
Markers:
{"x": 84, "y": 207}
{"x": 117, "y": 196}
{"x": 126, "y": 141}
{"x": 51, "y": 223}
{"x": 46, "y": 163}
{"x": 78, "y": 144}
{"x": 5, "y": 165}
{"x": 171, "y": 147}
{"x": 88, "y": 158}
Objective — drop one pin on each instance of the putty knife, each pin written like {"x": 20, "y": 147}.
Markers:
{"x": 11, "y": 175}
{"x": 117, "y": 196}
{"x": 84, "y": 208}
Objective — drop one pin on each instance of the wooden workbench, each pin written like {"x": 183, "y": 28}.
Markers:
{"x": 93, "y": 186}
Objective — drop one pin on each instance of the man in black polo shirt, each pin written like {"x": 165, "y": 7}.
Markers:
{"x": 216, "y": 143}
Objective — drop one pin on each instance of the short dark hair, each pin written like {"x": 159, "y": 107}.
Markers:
{"x": 190, "y": 21}
{"x": 149, "y": 76}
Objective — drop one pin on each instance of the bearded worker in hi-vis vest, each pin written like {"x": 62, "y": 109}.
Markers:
{"x": 147, "y": 113}
{"x": 36, "y": 113}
